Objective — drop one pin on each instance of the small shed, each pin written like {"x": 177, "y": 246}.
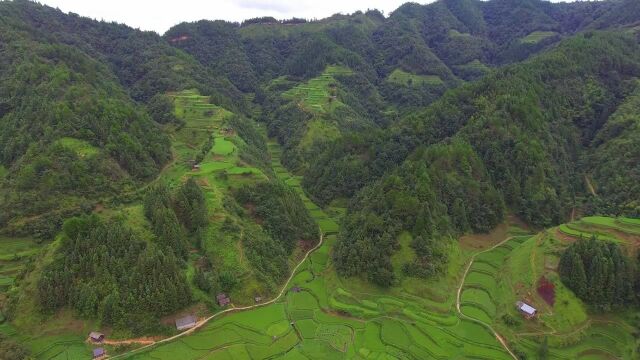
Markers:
{"x": 258, "y": 299}
{"x": 296, "y": 289}
{"x": 223, "y": 300}
{"x": 527, "y": 310}
{"x": 98, "y": 353}
{"x": 186, "y": 322}
{"x": 195, "y": 167}
{"x": 96, "y": 337}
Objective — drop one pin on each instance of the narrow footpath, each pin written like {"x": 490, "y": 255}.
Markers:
{"x": 218, "y": 314}
{"x": 466, "y": 271}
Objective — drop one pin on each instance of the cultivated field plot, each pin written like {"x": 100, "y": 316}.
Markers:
{"x": 619, "y": 230}
{"x": 537, "y": 36}
{"x": 14, "y": 253}
{"x": 401, "y": 77}
{"x": 562, "y": 318}
{"x": 321, "y": 316}
{"x": 319, "y": 95}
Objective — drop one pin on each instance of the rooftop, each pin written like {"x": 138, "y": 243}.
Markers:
{"x": 526, "y": 308}
{"x": 185, "y": 322}
{"x": 98, "y": 352}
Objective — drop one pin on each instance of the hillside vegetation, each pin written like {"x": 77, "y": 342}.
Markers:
{"x": 358, "y": 187}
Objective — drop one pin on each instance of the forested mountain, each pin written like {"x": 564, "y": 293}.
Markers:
{"x": 184, "y": 165}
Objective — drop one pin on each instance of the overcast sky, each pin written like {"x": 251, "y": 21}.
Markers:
{"x": 160, "y": 15}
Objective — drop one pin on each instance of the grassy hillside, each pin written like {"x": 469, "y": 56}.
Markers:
{"x": 350, "y": 319}
{"x": 142, "y": 175}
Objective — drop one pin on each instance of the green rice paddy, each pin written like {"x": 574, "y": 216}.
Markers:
{"x": 537, "y": 36}
{"x": 14, "y": 254}
{"x": 333, "y": 318}
{"x": 401, "y": 77}
{"x": 319, "y": 95}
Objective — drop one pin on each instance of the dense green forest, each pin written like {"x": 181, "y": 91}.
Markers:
{"x": 601, "y": 274}
{"x": 146, "y": 167}
{"x": 103, "y": 269}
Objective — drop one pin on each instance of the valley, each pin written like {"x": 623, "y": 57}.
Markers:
{"x": 452, "y": 180}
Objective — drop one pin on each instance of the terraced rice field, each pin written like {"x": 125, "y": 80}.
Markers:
{"x": 14, "y": 254}
{"x": 399, "y": 76}
{"x": 326, "y": 319}
{"x": 537, "y": 36}
{"x": 333, "y": 318}
{"x": 319, "y": 95}
{"x": 481, "y": 286}
{"x": 494, "y": 283}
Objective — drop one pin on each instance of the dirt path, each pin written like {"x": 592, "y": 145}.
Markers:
{"x": 464, "y": 276}
{"x": 230, "y": 310}
{"x": 140, "y": 341}
{"x": 555, "y": 332}
{"x": 592, "y": 190}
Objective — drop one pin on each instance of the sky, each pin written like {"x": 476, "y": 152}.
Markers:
{"x": 160, "y": 15}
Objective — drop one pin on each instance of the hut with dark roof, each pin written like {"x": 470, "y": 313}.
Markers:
{"x": 96, "y": 337}
{"x": 223, "y": 300}
{"x": 98, "y": 353}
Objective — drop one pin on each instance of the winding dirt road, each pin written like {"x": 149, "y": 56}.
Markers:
{"x": 230, "y": 310}
{"x": 466, "y": 271}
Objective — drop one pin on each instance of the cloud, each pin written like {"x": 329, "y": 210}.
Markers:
{"x": 159, "y": 15}
{"x": 280, "y": 6}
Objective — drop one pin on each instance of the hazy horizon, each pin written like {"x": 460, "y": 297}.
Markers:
{"x": 161, "y": 16}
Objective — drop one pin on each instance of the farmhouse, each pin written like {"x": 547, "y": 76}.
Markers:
{"x": 196, "y": 167}
{"x": 223, "y": 300}
{"x": 527, "y": 310}
{"x": 258, "y": 299}
{"x": 99, "y": 353}
{"x": 96, "y": 337}
{"x": 186, "y": 322}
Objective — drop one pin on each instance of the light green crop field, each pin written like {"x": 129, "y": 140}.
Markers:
{"x": 319, "y": 95}
{"x": 3, "y": 172}
{"x": 14, "y": 254}
{"x": 475, "y": 67}
{"x": 334, "y": 318}
{"x": 537, "y": 36}
{"x": 80, "y": 147}
{"x": 456, "y": 33}
{"x": 401, "y": 77}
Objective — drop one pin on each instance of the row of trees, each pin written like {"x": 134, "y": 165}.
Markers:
{"x": 600, "y": 274}
{"x": 280, "y": 211}
{"x": 174, "y": 216}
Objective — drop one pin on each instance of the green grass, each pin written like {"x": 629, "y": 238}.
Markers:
{"x": 537, "y": 36}
{"x": 3, "y": 172}
{"x": 405, "y": 255}
{"x": 223, "y": 147}
{"x": 80, "y": 147}
{"x": 401, "y": 77}
{"x": 630, "y": 221}
{"x": 575, "y": 231}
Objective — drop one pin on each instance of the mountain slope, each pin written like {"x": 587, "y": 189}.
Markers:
{"x": 531, "y": 125}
